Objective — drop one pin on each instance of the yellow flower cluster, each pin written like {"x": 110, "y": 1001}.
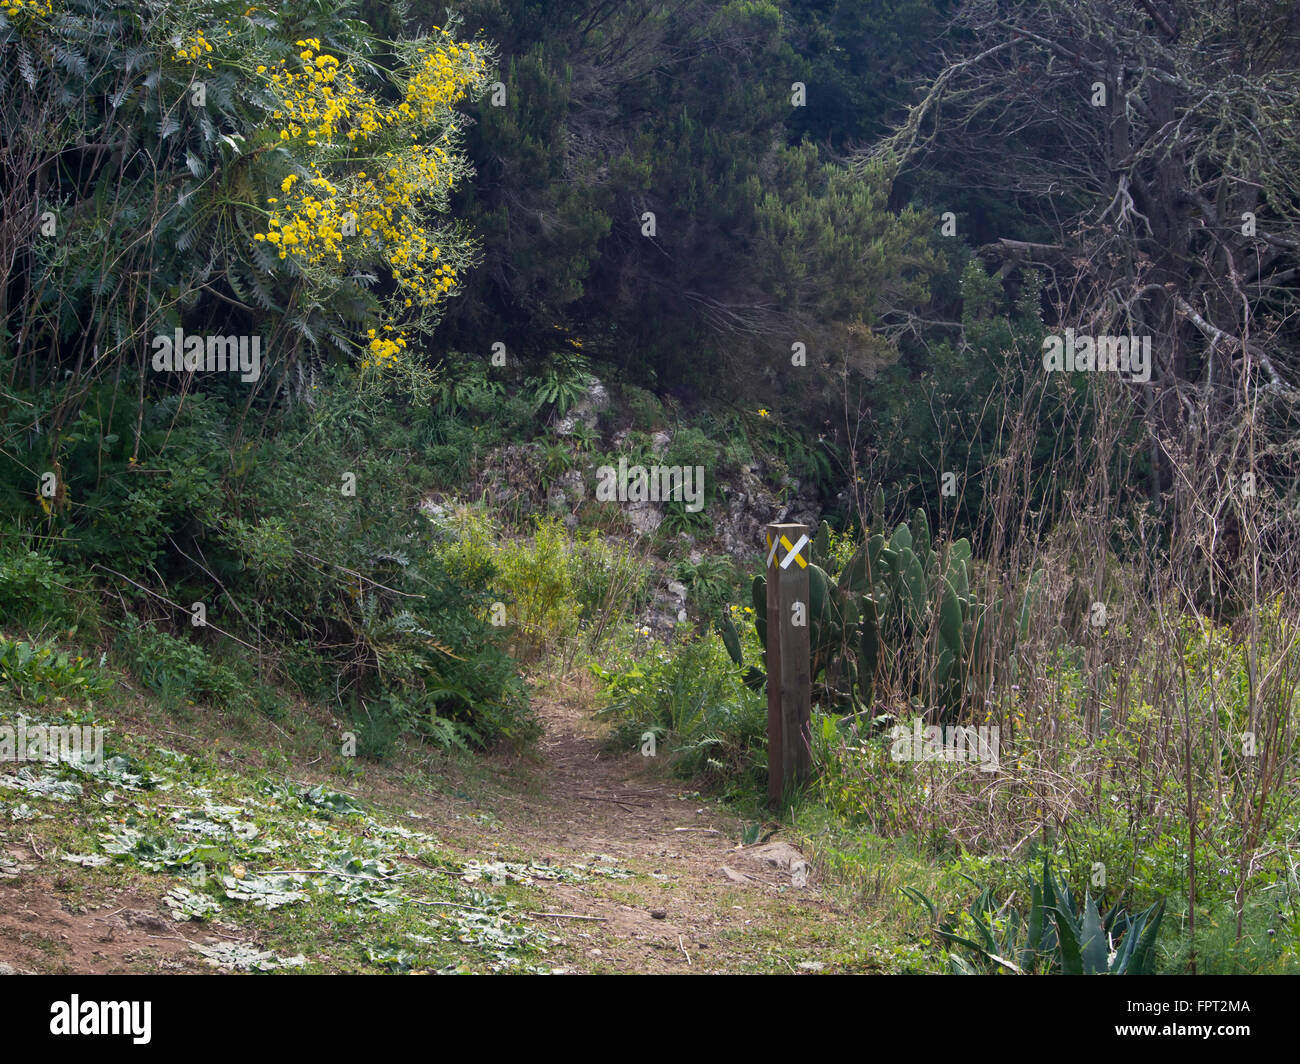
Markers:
{"x": 315, "y": 228}
{"x": 440, "y": 81}
{"x": 31, "y": 8}
{"x": 323, "y": 97}
{"x": 317, "y": 100}
{"x": 199, "y": 46}
{"x": 321, "y": 103}
{"x": 383, "y": 349}
{"x": 407, "y": 247}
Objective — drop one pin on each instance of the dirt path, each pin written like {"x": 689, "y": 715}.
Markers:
{"x": 701, "y": 901}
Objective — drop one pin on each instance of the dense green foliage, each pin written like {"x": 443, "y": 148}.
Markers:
{"x": 195, "y": 165}
{"x": 687, "y": 111}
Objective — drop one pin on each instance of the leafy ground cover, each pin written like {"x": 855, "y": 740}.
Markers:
{"x": 188, "y": 848}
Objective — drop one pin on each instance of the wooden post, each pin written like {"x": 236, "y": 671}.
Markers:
{"x": 789, "y": 662}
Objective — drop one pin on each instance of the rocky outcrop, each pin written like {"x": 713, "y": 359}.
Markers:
{"x": 586, "y": 410}
{"x": 748, "y": 504}
{"x": 745, "y": 499}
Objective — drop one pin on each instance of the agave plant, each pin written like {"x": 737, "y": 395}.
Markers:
{"x": 1057, "y": 935}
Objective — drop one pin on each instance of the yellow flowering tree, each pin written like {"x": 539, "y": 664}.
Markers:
{"x": 17, "y": 10}
{"x": 368, "y": 170}
{"x": 228, "y": 169}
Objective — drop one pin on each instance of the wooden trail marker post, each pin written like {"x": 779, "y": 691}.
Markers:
{"x": 789, "y": 660}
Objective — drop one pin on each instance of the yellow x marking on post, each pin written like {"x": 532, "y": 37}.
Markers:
{"x": 792, "y": 552}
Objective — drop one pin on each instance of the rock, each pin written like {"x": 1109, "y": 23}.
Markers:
{"x": 147, "y": 921}
{"x": 597, "y": 397}
{"x": 586, "y": 410}
{"x": 734, "y": 876}
{"x": 748, "y": 505}
{"x": 666, "y": 603}
{"x": 776, "y": 854}
{"x": 644, "y": 517}
{"x": 658, "y": 914}
{"x": 783, "y": 856}
{"x": 660, "y": 624}
{"x": 564, "y": 496}
{"x": 573, "y": 484}
{"x": 9, "y": 969}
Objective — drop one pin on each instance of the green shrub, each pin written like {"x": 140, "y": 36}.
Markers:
{"x": 1268, "y": 943}
{"x": 181, "y": 671}
{"x": 610, "y": 581}
{"x": 471, "y": 416}
{"x": 536, "y": 573}
{"x": 548, "y": 584}
{"x": 37, "y": 672}
{"x": 36, "y": 589}
{"x": 692, "y": 447}
{"x": 693, "y": 697}
{"x": 351, "y": 594}
{"x": 378, "y": 726}
{"x": 467, "y": 545}
{"x": 711, "y": 581}
{"x": 381, "y": 722}
{"x": 645, "y": 408}
{"x": 561, "y": 382}
{"x": 464, "y": 384}
{"x": 131, "y": 520}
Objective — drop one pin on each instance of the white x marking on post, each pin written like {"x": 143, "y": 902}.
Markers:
{"x": 794, "y": 552}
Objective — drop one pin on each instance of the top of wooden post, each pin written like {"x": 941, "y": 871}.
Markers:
{"x": 788, "y": 544}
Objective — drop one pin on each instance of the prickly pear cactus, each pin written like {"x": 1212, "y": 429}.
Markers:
{"x": 900, "y": 610}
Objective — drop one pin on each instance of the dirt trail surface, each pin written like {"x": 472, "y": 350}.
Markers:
{"x": 662, "y": 881}
{"x": 39, "y": 934}
{"x": 705, "y": 903}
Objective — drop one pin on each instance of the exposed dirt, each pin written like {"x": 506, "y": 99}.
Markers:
{"x": 127, "y": 934}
